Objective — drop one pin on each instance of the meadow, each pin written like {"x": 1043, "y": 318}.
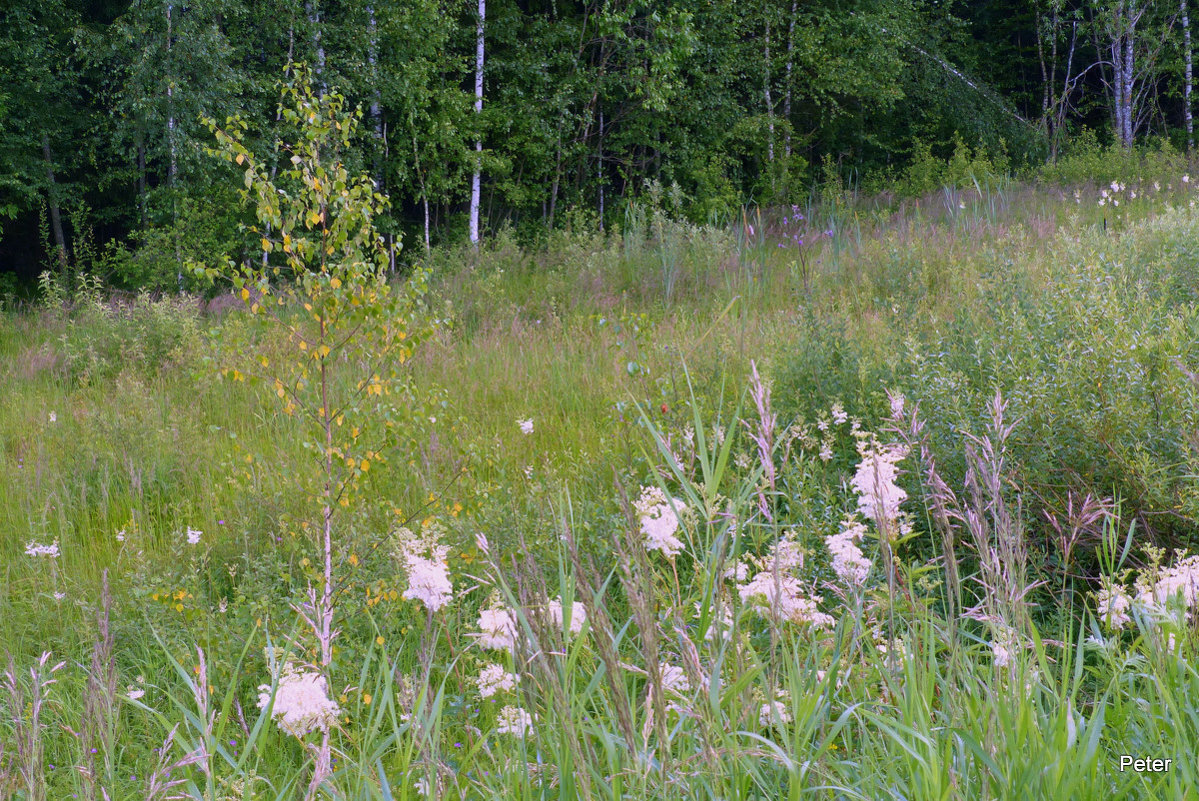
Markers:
{"x": 859, "y": 499}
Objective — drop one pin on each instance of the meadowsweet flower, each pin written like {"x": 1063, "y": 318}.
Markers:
{"x": 301, "y": 701}
{"x": 497, "y": 629}
{"x": 526, "y": 426}
{"x": 849, "y": 563}
{"x": 494, "y": 679}
{"x": 659, "y": 521}
{"x": 878, "y": 495}
{"x": 719, "y": 625}
{"x": 838, "y": 413}
{"x": 826, "y": 451}
{"x": 781, "y": 598}
{"x": 515, "y": 721}
{"x": 193, "y": 536}
{"x": 1113, "y": 606}
{"x": 774, "y": 713}
{"x": 675, "y": 685}
{"x": 34, "y": 549}
{"x": 424, "y": 560}
{"x": 578, "y": 615}
{"x": 738, "y": 572}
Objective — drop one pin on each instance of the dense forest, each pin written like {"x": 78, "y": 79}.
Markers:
{"x": 544, "y": 114}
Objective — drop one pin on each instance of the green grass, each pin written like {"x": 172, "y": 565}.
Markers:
{"x": 623, "y": 350}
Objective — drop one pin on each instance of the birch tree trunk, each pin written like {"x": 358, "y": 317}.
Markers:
{"x": 787, "y": 89}
{"x": 769, "y": 102}
{"x": 1187, "y": 75}
{"x": 475, "y": 180}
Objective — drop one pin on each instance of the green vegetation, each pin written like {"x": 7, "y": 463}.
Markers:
{"x": 665, "y": 425}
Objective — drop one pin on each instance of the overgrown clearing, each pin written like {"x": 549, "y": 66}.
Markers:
{"x": 761, "y": 616}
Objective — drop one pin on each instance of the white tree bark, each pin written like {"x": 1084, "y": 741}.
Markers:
{"x": 1187, "y": 74}
{"x": 787, "y": 89}
{"x": 475, "y": 182}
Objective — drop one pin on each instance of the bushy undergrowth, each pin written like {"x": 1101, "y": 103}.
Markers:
{"x": 839, "y": 503}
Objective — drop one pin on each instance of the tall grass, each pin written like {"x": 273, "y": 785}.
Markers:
{"x": 644, "y": 360}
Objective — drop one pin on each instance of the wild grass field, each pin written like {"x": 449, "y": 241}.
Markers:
{"x": 856, "y": 500}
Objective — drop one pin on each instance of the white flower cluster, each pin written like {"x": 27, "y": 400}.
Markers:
{"x": 659, "y": 518}
{"x": 34, "y": 549}
{"x": 494, "y": 679}
{"x": 302, "y": 702}
{"x": 776, "y": 712}
{"x": 874, "y": 481}
{"x": 776, "y": 592}
{"x": 193, "y": 536}
{"x": 577, "y": 615}
{"x": 1156, "y": 589}
{"x": 497, "y": 629}
{"x": 515, "y": 721}
{"x": 849, "y": 563}
{"x": 526, "y": 426}
{"x": 424, "y": 560}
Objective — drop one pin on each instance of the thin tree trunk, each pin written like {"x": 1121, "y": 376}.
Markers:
{"x": 372, "y": 59}
{"x": 60, "y": 241}
{"x": 599, "y": 170}
{"x": 475, "y": 181}
{"x": 141, "y": 178}
{"x": 787, "y": 90}
{"x": 1187, "y": 72}
{"x": 769, "y": 102}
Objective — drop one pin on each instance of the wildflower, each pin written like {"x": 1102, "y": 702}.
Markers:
{"x": 53, "y": 417}
{"x": 494, "y": 679}
{"x": 1113, "y": 606}
{"x": 301, "y": 701}
{"x": 193, "y": 536}
{"x": 424, "y": 560}
{"x": 514, "y": 720}
{"x": 659, "y": 521}
{"x": 526, "y": 426}
{"x": 1186, "y": 179}
{"x": 781, "y": 599}
{"x": 720, "y": 625}
{"x": 878, "y": 495}
{"x": 58, "y": 596}
{"x": 738, "y": 572}
{"x": 838, "y": 413}
{"x": 497, "y": 629}
{"x": 134, "y": 695}
{"x": 121, "y": 535}
{"x": 826, "y": 451}
{"x": 850, "y": 565}
{"x": 34, "y": 549}
{"x": 773, "y": 713}
{"x": 674, "y": 680}
{"x": 578, "y": 615}
{"x": 1102, "y": 201}
{"x": 897, "y": 401}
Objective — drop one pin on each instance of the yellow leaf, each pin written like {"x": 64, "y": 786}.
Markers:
{"x": 241, "y": 158}
{"x": 335, "y": 282}
{"x": 280, "y": 392}
{"x": 245, "y": 294}
{"x": 366, "y": 465}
